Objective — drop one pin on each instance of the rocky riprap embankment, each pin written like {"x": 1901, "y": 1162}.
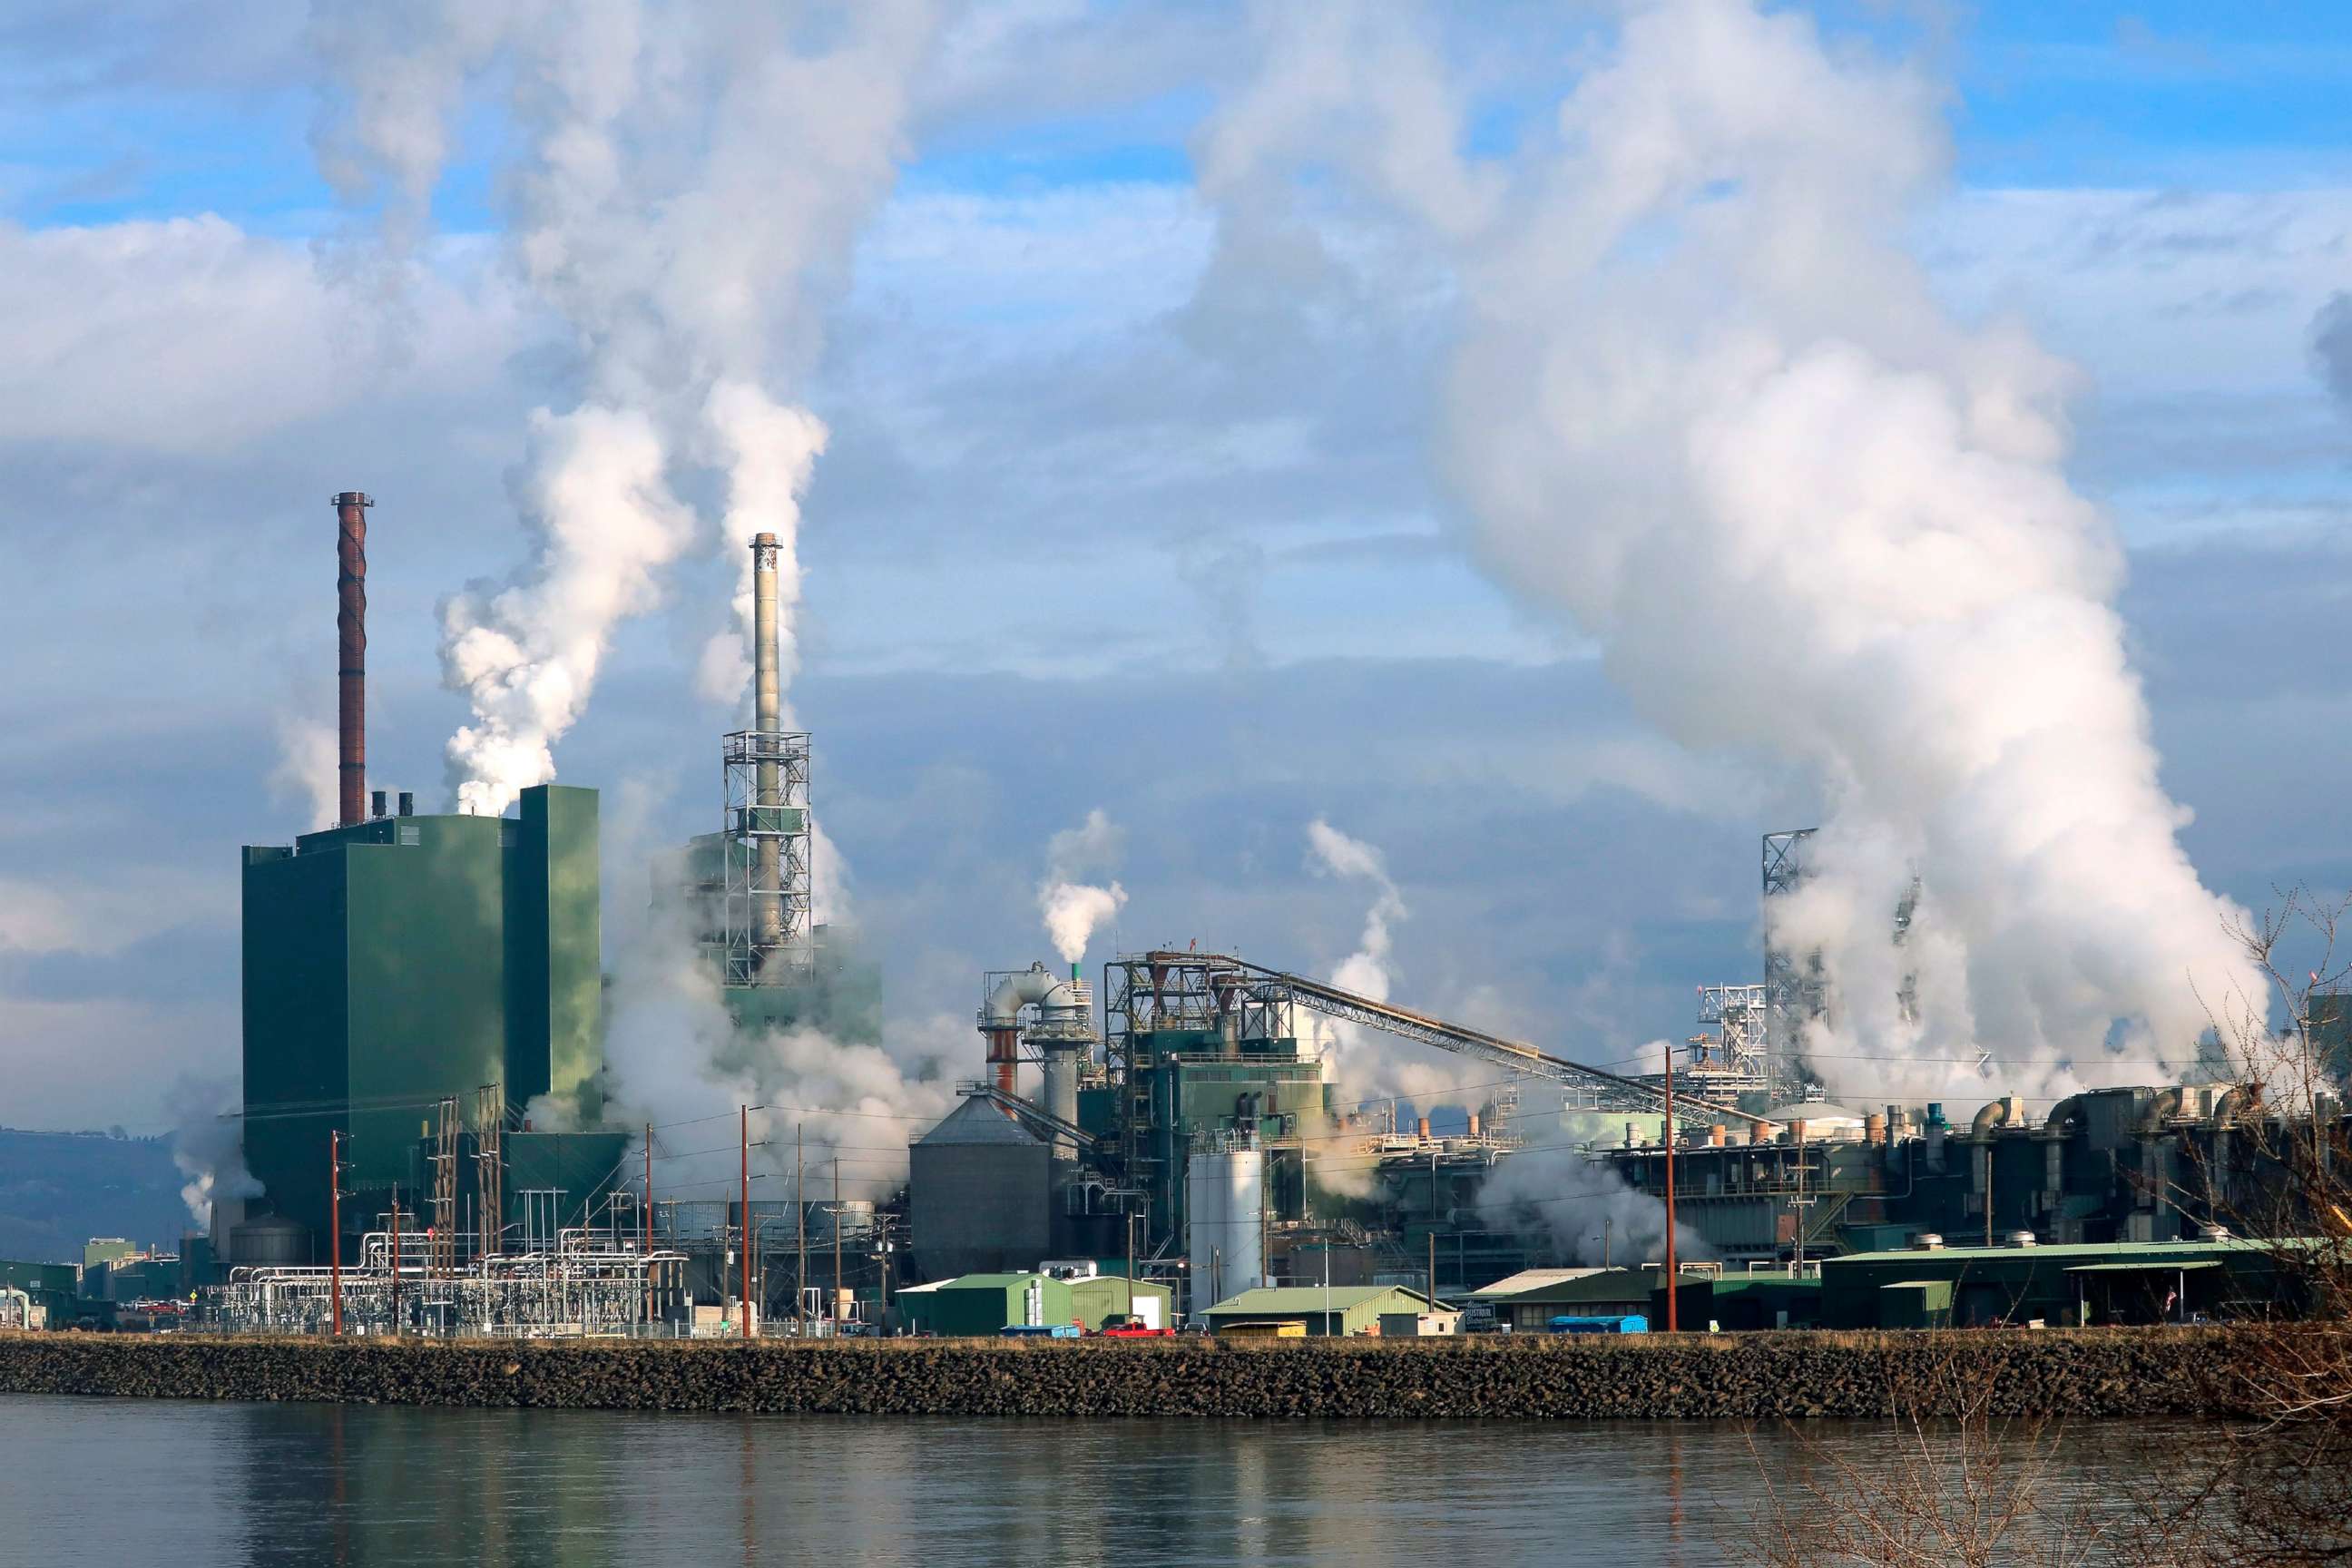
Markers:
{"x": 2090, "y": 1374}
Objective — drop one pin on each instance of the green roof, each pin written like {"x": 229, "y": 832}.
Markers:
{"x": 2087, "y": 1251}
{"x": 2168, "y": 1265}
{"x": 1307, "y": 1300}
{"x": 1601, "y": 1285}
{"x": 988, "y": 1281}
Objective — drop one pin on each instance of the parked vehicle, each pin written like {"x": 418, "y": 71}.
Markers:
{"x": 1138, "y": 1331}
{"x": 1632, "y": 1323}
{"x": 1041, "y": 1332}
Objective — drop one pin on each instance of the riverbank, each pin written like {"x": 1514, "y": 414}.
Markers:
{"x": 2084, "y": 1374}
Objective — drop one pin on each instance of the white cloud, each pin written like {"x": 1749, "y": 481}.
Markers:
{"x": 188, "y": 334}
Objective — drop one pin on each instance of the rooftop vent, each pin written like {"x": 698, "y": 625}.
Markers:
{"x": 2212, "y": 1233}
{"x": 1927, "y": 1241}
{"x": 2021, "y": 1238}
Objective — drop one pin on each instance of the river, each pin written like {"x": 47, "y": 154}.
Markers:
{"x": 194, "y": 1485}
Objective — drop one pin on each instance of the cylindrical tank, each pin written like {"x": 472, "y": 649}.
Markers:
{"x": 1422, "y": 1126}
{"x": 1061, "y": 1070}
{"x": 1225, "y": 1199}
{"x": 1873, "y": 1128}
{"x": 1715, "y": 1135}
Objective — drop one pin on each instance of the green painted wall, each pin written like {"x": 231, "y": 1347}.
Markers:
{"x": 554, "y": 970}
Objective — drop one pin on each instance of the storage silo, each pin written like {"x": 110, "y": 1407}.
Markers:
{"x": 1224, "y": 1219}
{"x": 978, "y": 1199}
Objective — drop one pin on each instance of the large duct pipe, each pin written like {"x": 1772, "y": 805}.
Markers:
{"x": 767, "y": 718}
{"x": 350, "y": 653}
{"x": 1000, "y": 1019}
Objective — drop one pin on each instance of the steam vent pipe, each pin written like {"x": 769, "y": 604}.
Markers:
{"x": 768, "y": 719}
{"x": 350, "y": 653}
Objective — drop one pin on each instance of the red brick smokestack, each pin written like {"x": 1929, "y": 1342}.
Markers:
{"x": 350, "y": 649}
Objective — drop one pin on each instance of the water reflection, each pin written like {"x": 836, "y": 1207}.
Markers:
{"x": 267, "y": 1484}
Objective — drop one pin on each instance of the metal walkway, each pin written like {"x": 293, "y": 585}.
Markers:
{"x": 1598, "y": 1090}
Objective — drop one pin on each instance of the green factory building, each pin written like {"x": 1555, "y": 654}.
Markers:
{"x": 400, "y": 962}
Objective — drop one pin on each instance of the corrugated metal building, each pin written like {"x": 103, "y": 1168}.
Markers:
{"x": 401, "y": 960}
{"x": 1342, "y": 1310}
{"x": 2111, "y": 1282}
{"x": 1527, "y": 1303}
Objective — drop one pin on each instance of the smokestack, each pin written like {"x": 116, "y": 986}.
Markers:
{"x": 350, "y": 649}
{"x": 767, "y": 717}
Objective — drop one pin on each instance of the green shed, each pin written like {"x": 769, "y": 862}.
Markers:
{"x": 982, "y": 1304}
{"x": 1106, "y": 1295}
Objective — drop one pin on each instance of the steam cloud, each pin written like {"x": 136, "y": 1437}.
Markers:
{"x": 306, "y": 773}
{"x": 685, "y": 175}
{"x": 1702, "y": 403}
{"x": 1071, "y": 909}
{"x": 206, "y": 1144}
{"x": 1365, "y": 1063}
{"x": 675, "y": 1058}
{"x": 1589, "y": 1212}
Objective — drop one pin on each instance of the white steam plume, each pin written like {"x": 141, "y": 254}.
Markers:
{"x": 1591, "y": 1214}
{"x": 206, "y": 1146}
{"x": 1704, "y": 406}
{"x": 685, "y": 177}
{"x": 1071, "y": 909}
{"x": 1365, "y": 1063}
{"x": 675, "y": 1057}
{"x": 306, "y": 772}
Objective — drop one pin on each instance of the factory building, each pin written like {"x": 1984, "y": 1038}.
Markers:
{"x": 411, "y": 977}
{"x": 2139, "y": 1165}
{"x": 400, "y": 962}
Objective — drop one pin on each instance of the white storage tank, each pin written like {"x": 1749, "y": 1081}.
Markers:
{"x": 1225, "y": 1220}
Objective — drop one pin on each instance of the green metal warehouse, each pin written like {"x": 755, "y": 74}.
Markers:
{"x": 398, "y": 961}
{"x": 1341, "y": 1310}
{"x": 2112, "y": 1282}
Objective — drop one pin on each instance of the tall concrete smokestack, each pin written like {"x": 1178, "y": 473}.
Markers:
{"x": 350, "y": 649}
{"x": 768, "y": 710}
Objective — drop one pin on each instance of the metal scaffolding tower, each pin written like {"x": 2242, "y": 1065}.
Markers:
{"x": 1796, "y": 988}
{"x": 766, "y": 893}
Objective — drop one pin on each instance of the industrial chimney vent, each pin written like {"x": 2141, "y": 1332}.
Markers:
{"x": 2021, "y": 1238}
{"x": 1927, "y": 1241}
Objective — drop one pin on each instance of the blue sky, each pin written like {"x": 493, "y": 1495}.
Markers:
{"x": 1041, "y": 493}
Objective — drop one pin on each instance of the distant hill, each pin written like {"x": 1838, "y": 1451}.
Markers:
{"x": 60, "y": 1189}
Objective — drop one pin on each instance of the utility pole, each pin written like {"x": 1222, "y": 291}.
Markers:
{"x": 335, "y": 1226}
{"x": 1129, "y": 1216}
{"x": 745, "y": 1113}
{"x": 1673, "y": 1325}
{"x": 649, "y": 1187}
{"x": 1988, "y": 1157}
{"x": 1432, "y": 1268}
{"x": 395, "y": 1257}
{"x": 800, "y": 1241}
